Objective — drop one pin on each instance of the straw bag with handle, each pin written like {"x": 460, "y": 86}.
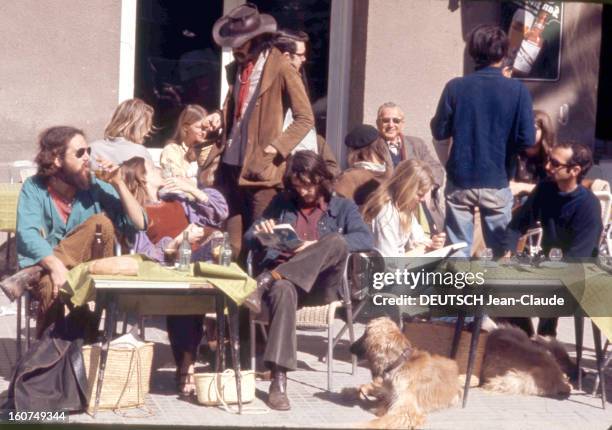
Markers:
{"x": 214, "y": 389}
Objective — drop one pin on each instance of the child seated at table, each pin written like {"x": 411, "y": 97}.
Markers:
{"x": 169, "y": 215}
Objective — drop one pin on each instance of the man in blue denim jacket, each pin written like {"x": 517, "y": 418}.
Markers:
{"x": 490, "y": 119}
{"x": 330, "y": 227}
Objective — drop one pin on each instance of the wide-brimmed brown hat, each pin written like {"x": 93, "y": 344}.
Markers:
{"x": 242, "y": 24}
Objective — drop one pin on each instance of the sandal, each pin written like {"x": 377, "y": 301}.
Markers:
{"x": 186, "y": 385}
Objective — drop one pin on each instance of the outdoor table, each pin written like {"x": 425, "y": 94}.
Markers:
{"x": 589, "y": 285}
{"x": 216, "y": 282}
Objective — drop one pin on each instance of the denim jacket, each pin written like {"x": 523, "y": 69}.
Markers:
{"x": 341, "y": 216}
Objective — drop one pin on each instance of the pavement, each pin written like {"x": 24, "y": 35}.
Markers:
{"x": 314, "y": 407}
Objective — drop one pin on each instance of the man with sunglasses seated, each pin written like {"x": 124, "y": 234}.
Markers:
{"x": 58, "y": 211}
{"x": 569, "y": 213}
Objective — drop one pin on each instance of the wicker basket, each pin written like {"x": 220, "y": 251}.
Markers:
{"x": 214, "y": 389}
{"x": 126, "y": 378}
{"x": 437, "y": 338}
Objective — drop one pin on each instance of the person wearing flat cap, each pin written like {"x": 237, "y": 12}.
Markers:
{"x": 263, "y": 85}
{"x": 369, "y": 163}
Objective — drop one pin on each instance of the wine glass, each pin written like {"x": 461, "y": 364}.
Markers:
{"x": 486, "y": 255}
{"x": 555, "y": 255}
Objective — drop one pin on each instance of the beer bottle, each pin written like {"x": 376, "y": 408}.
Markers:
{"x": 531, "y": 45}
{"x": 97, "y": 246}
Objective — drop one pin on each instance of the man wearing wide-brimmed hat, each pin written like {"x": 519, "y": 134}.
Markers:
{"x": 263, "y": 86}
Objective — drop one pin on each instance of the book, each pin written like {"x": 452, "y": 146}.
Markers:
{"x": 446, "y": 251}
{"x": 283, "y": 238}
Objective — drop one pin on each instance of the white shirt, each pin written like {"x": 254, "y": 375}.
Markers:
{"x": 389, "y": 238}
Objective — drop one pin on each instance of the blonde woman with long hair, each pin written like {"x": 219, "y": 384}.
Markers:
{"x": 179, "y": 156}
{"x": 392, "y": 212}
{"x": 124, "y": 136}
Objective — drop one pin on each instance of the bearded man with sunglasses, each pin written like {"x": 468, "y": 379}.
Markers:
{"x": 57, "y": 214}
{"x": 569, "y": 213}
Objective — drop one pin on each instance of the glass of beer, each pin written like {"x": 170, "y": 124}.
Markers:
{"x": 169, "y": 257}
{"x": 216, "y": 243}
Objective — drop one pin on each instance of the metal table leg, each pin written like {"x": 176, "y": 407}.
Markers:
{"x": 457, "y": 335}
{"x": 472, "y": 356}
{"x": 219, "y": 307}
{"x": 235, "y": 345}
{"x": 599, "y": 356}
{"x": 110, "y": 305}
{"x": 19, "y": 327}
{"x": 579, "y": 328}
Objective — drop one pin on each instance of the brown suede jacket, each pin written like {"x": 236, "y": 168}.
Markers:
{"x": 280, "y": 88}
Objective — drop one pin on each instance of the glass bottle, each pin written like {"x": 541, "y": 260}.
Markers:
{"x": 184, "y": 253}
{"x": 226, "y": 252}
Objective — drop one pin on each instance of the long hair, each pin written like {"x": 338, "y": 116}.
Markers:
{"x": 134, "y": 174}
{"x": 189, "y": 115}
{"x": 377, "y": 149}
{"x": 545, "y": 124}
{"x": 309, "y": 167}
{"x": 402, "y": 189}
{"x": 52, "y": 143}
{"x": 132, "y": 120}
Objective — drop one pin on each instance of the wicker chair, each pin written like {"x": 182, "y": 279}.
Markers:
{"x": 317, "y": 317}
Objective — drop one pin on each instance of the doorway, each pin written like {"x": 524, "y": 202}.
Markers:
{"x": 177, "y": 61}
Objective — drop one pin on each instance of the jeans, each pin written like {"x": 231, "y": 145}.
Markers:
{"x": 495, "y": 213}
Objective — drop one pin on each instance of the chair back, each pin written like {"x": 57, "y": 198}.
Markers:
{"x": 605, "y": 200}
{"x": 21, "y": 170}
{"x": 360, "y": 269}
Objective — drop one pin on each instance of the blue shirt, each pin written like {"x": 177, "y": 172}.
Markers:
{"x": 490, "y": 119}
{"x": 40, "y": 227}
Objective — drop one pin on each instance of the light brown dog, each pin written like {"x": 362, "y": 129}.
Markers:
{"x": 516, "y": 364}
{"x": 407, "y": 382}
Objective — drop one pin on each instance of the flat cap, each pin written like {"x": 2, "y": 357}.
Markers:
{"x": 361, "y": 136}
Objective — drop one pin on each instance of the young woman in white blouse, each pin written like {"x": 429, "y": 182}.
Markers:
{"x": 392, "y": 212}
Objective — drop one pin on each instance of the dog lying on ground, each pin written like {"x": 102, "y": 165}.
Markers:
{"x": 406, "y": 382}
{"x": 515, "y": 364}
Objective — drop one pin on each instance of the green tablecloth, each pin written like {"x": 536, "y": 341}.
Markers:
{"x": 588, "y": 283}
{"x": 234, "y": 282}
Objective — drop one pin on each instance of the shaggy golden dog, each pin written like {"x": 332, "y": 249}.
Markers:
{"x": 408, "y": 383}
{"x": 515, "y": 364}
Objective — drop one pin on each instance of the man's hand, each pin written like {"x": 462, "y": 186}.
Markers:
{"x": 266, "y": 226}
{"x": 437, "y": 241}
{"x": 270, "y": 150}
{"x": 108, "y": 172}
{"x": 57, "y": 271}
{"x": 212, "y": 122}
{"x": 303, "y": 246}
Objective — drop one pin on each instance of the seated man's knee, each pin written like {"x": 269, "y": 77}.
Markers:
{"x": 336, "y": 242}
{"x": 283, "y": 291}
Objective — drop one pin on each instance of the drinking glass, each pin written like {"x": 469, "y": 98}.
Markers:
{"x": 555, "y": 254}
{"x": 486, "y": 255}
{"x": 216, "y": 243}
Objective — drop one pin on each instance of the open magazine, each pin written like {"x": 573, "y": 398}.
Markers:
{"x": 283, "y": 238}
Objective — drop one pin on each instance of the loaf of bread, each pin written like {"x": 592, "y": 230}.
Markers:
{"x": 122, "y": 265}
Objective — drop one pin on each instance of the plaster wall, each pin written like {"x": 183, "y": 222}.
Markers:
{"x": 60, "y": 65}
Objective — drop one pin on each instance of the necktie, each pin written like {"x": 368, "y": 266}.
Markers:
{"x": 245, "y": 77}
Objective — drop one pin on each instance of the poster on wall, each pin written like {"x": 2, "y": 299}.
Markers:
{"x": 534, "y": 30}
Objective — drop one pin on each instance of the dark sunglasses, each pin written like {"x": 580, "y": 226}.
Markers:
{"x": 81, "y": 151}
{"x": 556, "y": 164}
{"x": 388, "y": 120}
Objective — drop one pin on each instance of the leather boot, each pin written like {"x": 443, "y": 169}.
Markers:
{"x": 277, "y": 395}
{"x": 15, "y": 285}
{"x": 253, "y": 301}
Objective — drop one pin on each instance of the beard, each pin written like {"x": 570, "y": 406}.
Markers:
{"x": 80, "y": 179}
